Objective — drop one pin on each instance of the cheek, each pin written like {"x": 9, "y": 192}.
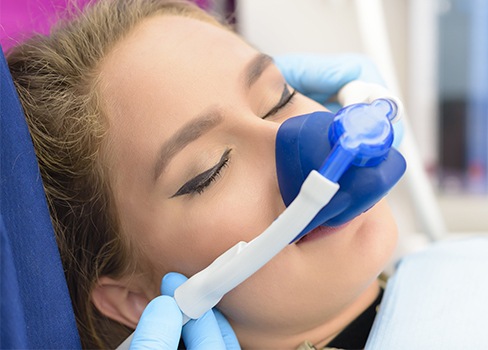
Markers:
{"x": 196, "y": 231}
{"x": 380, "y": 236}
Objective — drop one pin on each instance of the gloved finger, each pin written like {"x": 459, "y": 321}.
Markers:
{"x": 369, "y": 70}
{"x": 159, "y": 326}
{"x": 318, "y": 76}
{"x": 171, "y": 281}
{"x": 230, "y": 339}
{"x": 203, "y": 333}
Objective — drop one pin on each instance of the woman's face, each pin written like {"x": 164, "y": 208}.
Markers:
{"x": 193, "y": 113}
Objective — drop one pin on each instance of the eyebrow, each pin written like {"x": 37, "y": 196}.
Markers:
{"x": 256, "y": 67}
{"x": 208, "y": 120}
{"x": 186, "y": 134}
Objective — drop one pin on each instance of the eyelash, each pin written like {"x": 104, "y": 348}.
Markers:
{"x": 199, "y": 183}
{"x": 281, "y": 105}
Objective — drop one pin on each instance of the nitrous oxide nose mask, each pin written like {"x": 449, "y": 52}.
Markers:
{"x": 352, "y": 148}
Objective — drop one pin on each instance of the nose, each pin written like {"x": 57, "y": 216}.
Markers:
{"x": 259, "y": 141}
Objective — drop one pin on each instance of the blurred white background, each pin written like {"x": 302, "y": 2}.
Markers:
{"x": 415, "y": 33}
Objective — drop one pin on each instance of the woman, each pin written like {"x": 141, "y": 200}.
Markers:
{"x": 154, "y": 126}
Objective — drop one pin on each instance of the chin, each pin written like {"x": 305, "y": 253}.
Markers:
{"x": 378, "y": 235}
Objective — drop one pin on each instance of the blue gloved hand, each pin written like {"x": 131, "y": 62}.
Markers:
{"x": 321, "y": 76}
{"x": 160, "y": 326}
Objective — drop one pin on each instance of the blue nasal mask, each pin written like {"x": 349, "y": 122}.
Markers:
{"x": 352, "y": 148}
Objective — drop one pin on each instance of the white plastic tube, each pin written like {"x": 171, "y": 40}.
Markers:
{"x": 362, "y": 92}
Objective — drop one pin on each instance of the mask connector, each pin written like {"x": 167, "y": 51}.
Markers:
{"x": 360, "y": 135}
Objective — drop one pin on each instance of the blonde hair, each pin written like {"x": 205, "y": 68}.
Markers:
{"x": 56, "y": 77}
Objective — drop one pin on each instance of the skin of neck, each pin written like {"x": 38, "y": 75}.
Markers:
{"x": 320, "y": 336}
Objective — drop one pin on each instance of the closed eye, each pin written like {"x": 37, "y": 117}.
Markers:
{"x": 286, "y": 97}
{"x": 199, "y": 183}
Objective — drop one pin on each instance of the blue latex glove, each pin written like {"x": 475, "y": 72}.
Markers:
{"x": 160, "y": 326}
{"x": 321, "y": 76}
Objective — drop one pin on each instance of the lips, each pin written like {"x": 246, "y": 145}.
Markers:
{"x": 320, "y": 231}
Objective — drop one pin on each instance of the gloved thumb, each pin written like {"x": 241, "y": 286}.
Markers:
{"x": 171, "y": 281}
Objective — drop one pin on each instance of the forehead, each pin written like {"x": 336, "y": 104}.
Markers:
{"x": 167, "y": 54}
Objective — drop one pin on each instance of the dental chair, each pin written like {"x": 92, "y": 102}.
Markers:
{"x": 36, "y": 311}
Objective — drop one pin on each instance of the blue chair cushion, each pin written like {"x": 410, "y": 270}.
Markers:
{"x": 36, "y": 310}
